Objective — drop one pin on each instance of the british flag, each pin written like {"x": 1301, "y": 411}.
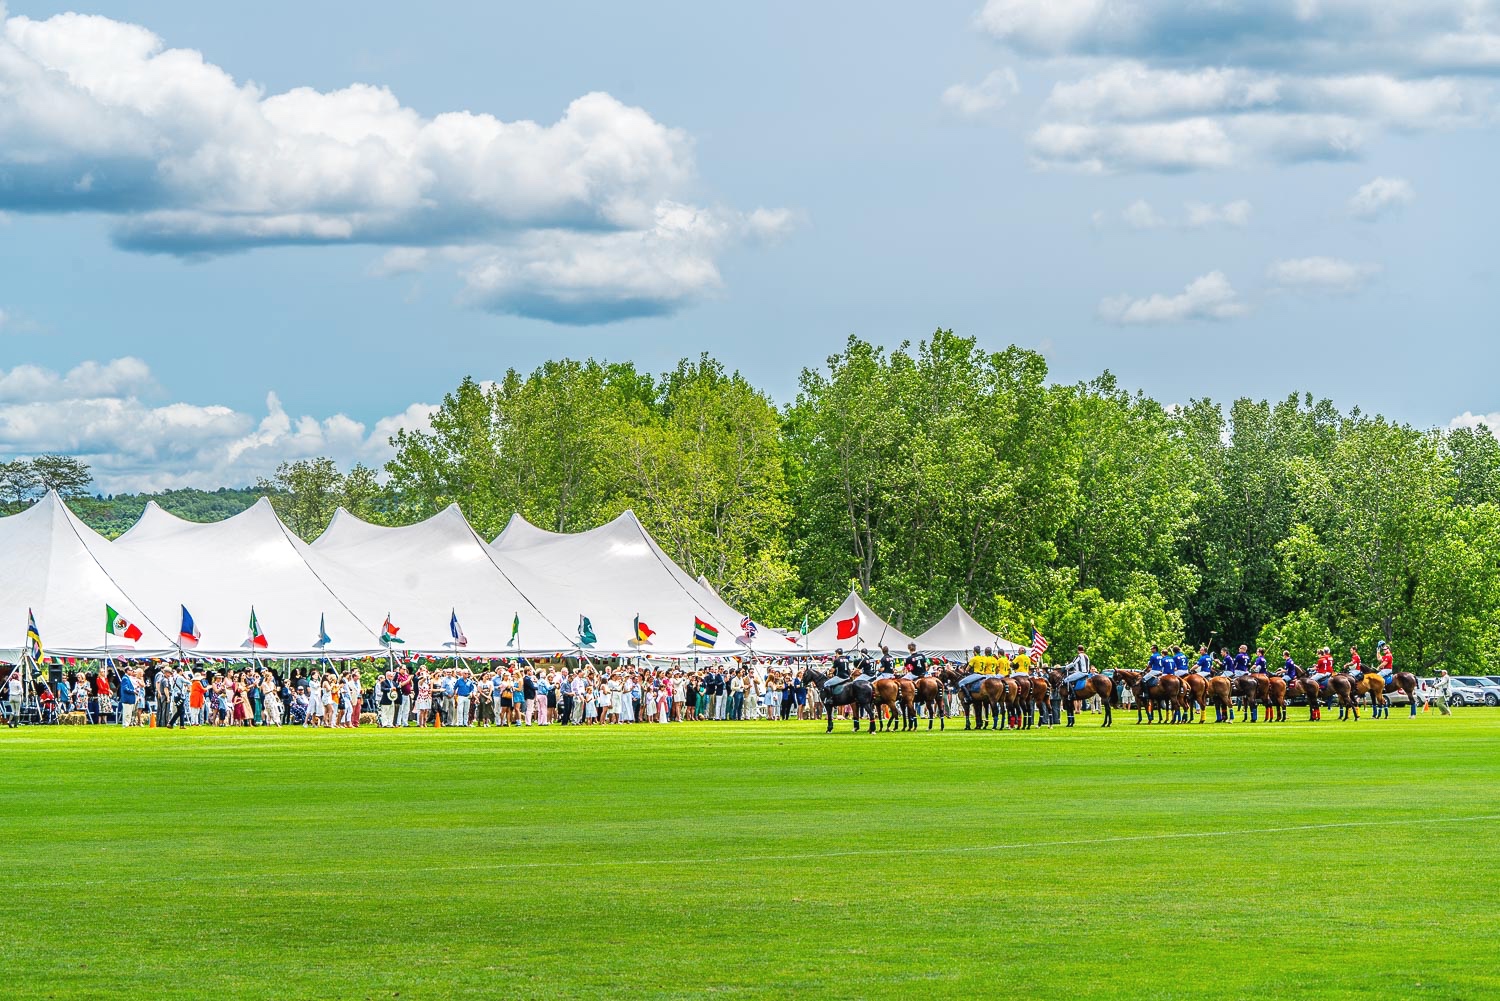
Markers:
{"x": 747, "y": 628}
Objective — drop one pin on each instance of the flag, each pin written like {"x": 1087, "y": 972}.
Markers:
{"x": 586, "y": 635}
{"x": 257, "y": 638}
{"x": 388, "y": 632}
{"x": 848, "y": 628}
{"x": 515, "y": 629}
{"x": 33, "y": 639}
{"x": 804, "y": 625}
{"x": 116, "y": 624}
{"x": 643, "y": 632}
{"x": 747, "y": 627}
{"x": 704, "y": 634}
{"x": 459, "y": 639}
{"x": 323, "y": 638}
{"x": 188, "y": 635}
{"x": 1038, "y": 644}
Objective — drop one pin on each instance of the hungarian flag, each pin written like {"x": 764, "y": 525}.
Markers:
{"x": 188, "y": 635}
{"x": 643, "y": 632}
{"x": 116, "y": 624}
{"x": 704, "y": 635}
{"x": 388, "y": 632}
{"x": 848, "y": 628}
{"x": 257, "y": 638}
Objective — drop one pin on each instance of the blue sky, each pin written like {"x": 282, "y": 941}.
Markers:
{"x": 1212, "y": 199}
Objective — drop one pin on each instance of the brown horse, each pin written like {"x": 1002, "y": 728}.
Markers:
{"x": 1341, "y": 687}
{"x": 1307, "y": 687}
{"x": 981, "y": 697}
{"x": 1220, "y": 694}
{"x": 1195, "y": 696}
{"x": 1094, "y": 685}
{"x": 888, "y": 704}
{"x": 1247, "y": 690}
{"x": 1154, "y": 698}
{"x": 1271, "y": 690}
{"x": 928, "y": 694}
{"x": 1038, "y": 697}
{"x": 1374, "y": 685}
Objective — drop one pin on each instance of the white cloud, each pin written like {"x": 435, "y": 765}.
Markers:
{"x": 1140, "y": 215}
{"x": 1202, "y": 215}
{"x": 1320, "y": 274}
{"x": 1473, "y": 420}
{"x": 98, "y": 115}
{"x": 973, "y": 100}
{"x": 1380, "y": 196}
{"x": 95, "y": 412}
{"x": 1156, "y": 85}
{"x": 1210, "y": 297}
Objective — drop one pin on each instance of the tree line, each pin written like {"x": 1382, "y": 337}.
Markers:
{"x": 942, "y": 473}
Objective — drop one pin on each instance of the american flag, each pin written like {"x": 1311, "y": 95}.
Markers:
{"x": 747, "y": 627}
{"x": 1038, "y": 644}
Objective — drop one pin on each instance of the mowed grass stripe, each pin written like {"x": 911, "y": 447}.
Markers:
{"x": 755, "y": 860}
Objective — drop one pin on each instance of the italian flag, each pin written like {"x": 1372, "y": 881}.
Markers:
{"x": 257, "y": 638}
{"x": 116, "y": 624}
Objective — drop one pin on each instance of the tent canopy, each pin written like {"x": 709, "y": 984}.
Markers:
{"x": 611, "y": 575}
{"x": 868, "y": 630}
{"x": 65, "y": 573}
{"x": 223, "y": 569}
{"x": 425, "y": 575}
{"x": 958, "y": 633}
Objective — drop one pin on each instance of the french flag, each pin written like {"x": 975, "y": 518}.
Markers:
{"x": 188, "y": 635}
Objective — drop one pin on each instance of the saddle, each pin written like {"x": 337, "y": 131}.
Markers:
{"x": 908, "y": 676}
{"x": 972, "y": 681}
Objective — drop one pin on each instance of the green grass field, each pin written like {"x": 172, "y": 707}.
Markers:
{"x": 756, "y": 860}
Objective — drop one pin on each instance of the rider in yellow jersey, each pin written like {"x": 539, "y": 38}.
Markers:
{"x": 1022, "y": 663}
{"x": 1002, "y": 664}
{"x": 976, "y": 662}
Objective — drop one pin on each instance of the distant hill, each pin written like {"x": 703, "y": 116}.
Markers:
{"x": 112, "y": 516}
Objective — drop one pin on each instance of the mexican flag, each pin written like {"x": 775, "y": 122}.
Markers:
{"x": 257, "y": 638}
{"x": 116, "y": 624}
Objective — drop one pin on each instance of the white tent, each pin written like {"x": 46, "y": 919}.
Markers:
{"x": 66, "y": 573}
{"x": 611, "y": 575}
{"x": 958, "y": 633}
{"x": 221, "y": 570}
{"x": 867, "y": 628}
{"x": 423, "y": 575}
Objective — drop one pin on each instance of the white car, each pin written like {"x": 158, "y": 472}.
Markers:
{"x": 1467, "y": 691}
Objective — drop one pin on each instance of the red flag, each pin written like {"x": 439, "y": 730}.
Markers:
{"x": 848, "y": 628}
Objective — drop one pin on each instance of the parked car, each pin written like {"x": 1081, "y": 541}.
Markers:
{"x": 1468, "y": 691}
{"x": 1424, "y": 694}
{"x": 1491, "y": 689}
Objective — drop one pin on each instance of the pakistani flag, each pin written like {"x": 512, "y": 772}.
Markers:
{"x": 586, "y": 635}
